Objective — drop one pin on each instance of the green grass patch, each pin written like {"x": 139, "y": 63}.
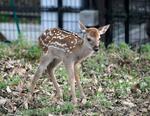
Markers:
{"x": 66, "y": 108}
{"x": 145, "y": 84}
{"x": 101, "y": 98}
{"x": 10, "y": 81}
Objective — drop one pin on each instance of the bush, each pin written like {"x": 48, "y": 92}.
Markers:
{"x": 145, "y": 48}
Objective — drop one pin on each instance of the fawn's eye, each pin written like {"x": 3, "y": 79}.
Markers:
{"x": 88, "y": 39}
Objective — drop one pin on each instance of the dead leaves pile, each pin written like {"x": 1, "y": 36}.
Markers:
{"x": 13, "y": 95}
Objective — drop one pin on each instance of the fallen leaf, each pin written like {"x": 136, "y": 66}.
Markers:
{"x": 143, "y": 109}
{"x": 100, "y": 89}
{"x": 128, "y": 103}
{"x": 3, "y": 101}
{"x": 84, "y": 100}
{"x": 26, "y": 104}
{"x": 8, "y": 89}
{"x": 149, "y": 107}
{"x": 50, "y": 115}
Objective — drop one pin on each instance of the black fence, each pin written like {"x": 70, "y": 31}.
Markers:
{"x": 128, "y": 18}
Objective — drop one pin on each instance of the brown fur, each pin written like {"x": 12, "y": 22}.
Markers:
{"x": 93, "y": 32}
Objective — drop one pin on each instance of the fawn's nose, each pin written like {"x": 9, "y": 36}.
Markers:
{"x": 95, "y": 48}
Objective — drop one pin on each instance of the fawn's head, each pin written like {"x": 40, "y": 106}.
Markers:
{"x": 92, "y": 35}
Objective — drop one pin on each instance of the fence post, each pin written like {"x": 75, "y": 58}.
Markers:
{"x": 12, "y": 4}
{"x": 60, "y": 14}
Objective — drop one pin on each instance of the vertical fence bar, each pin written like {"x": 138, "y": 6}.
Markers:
{"x": 60, "y": 14}
{"x": 126, "y": 5}
{"x": 108, "y": 17}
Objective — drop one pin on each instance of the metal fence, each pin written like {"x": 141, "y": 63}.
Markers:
{"x": 20, "y": 16}
{"x": 31, "y": 17}
{"x": 129, "y": 19}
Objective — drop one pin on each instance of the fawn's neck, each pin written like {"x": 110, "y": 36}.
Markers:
{"x": 84, "y": 52}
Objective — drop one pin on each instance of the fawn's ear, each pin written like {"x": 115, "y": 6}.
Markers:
{"x": 82, "y": 26}
{"x": 103, "y": 29}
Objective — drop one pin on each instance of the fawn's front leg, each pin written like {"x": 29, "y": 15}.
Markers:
{"x": 77, "y": 77}
{"x": 71, "y": 79}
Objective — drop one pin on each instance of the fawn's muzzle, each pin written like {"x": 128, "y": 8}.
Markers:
{"x": 95, "y": 48}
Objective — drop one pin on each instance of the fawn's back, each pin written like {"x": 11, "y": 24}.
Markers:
{"x": 60, "y": 39}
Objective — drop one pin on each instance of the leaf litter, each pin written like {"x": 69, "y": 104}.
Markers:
{"x": 109, "y": 92}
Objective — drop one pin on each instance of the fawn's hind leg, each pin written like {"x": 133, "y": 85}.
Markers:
{"x": 45, "y": 60}
{"x": 51, "y": 68}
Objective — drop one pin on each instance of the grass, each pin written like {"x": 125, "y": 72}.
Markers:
{"x": 66, "y": 108}
{"x": 145, "y": 84}
{"x": 115, "y": 71}
{"x": 102, "y": 100}
{"x": 10, "y": 81}
{"x": 20, "y": 49}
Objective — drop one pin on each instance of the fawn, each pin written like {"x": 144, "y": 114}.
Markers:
{"x": 67, "y": 47}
